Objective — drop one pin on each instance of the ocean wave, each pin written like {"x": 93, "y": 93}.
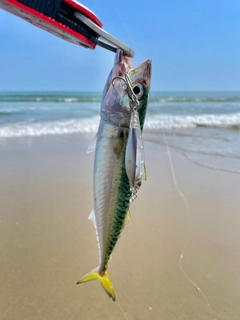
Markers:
{"x": 5, "y": 113}
{"x": 50, "y": 99}
{"x": 89, "y": 125}
{"x": 10, "y": 112}
{"x": 187, "y": 99}
{"x": 231, "y": 121}
{"x": 98, "y": 99}
{"x": 159, "y": 97}
{"x": 31, "y": 108}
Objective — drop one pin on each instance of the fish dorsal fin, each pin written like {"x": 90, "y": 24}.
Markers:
{"x": 127, "y": 220}
{"x": 92, "y": 145}
{"x": 92, "y": 218}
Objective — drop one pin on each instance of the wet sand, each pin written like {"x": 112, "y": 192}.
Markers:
{"x": 47, "y": 242}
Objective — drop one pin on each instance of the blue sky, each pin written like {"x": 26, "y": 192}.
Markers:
{"x": 195, "y": 45}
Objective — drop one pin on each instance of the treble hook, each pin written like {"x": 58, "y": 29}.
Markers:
{"x": 129, "y": 86}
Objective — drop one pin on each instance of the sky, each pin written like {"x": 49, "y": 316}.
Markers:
{"x": 194, "y": 45}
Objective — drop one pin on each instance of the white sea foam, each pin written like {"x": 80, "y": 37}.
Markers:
{"x": 87, "y": 125}
{"x": 168, "y": 121}
{"x": 70, "y": 99}
{"x": 153, "y": 123}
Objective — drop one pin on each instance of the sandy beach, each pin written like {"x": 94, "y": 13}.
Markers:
{"x": 178, "y": 260}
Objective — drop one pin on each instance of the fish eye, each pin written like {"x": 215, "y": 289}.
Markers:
{"x": 138, "y": 90}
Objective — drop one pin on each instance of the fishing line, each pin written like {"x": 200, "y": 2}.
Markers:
{"x": 188, "y": 211}
{"x": 134, "y": 48}
{"x": 189, "y": 279}
{"x": 174, "y": 176}
{"x": 125, "y": 25}
{"x": 124, "y": 313}
{"x": 179, "y": 191}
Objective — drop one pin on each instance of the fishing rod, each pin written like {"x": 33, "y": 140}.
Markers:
{"x": 67, "y": 19}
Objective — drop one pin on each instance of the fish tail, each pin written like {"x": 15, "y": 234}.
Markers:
{"x": 103, "y": 277}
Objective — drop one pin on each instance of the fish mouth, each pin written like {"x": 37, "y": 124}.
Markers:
{"x": 122, "y": 64}
{"x": 143, "y": 72}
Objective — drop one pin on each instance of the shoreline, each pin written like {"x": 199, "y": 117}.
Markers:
{"x": 47, "y": 242}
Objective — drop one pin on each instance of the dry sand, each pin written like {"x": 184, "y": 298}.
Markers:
{"x": 47, "y": 242}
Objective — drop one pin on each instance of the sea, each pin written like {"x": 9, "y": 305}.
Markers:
{"x": 203, "y": 126}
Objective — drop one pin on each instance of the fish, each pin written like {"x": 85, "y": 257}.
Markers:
{"x": 118, "y": 161}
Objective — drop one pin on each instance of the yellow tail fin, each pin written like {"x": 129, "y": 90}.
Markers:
{"x": 103, "y": 278}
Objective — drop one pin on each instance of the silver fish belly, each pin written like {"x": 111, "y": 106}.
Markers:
{"x": 111, "y": 188}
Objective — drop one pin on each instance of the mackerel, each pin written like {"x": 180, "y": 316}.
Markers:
{"x": 113, "y": 189}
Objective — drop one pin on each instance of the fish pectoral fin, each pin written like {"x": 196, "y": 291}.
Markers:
{"x": 118, "y": 145}
{"x": 103, "y": 277}
{"x": 145, "y": 173}
{"x": 92, "y": 145}
{"x": 92, "y": 218}
{"x": 128, "y": 219}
